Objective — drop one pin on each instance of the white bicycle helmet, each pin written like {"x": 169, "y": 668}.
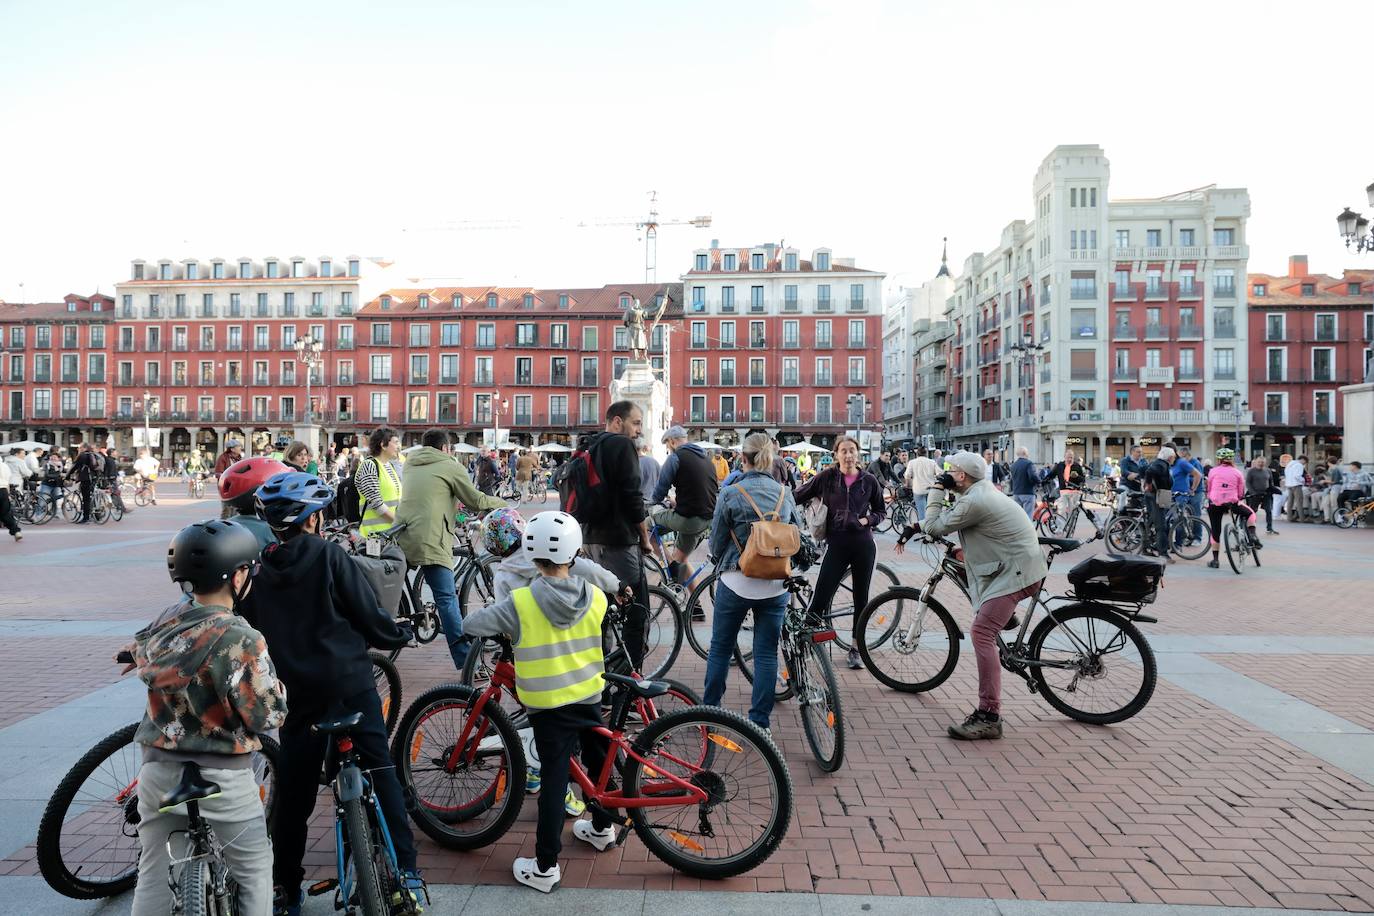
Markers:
{"x": 553, "y": 536}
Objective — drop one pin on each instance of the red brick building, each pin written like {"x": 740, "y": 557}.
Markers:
{"x": 1309, "y": 335}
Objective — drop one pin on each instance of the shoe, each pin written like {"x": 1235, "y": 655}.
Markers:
{"x": 527, "y": 873}
{"x": 18, "y": 537}
{"x": 855, "y": 660}
{"x": 1270, "y": 531}
{"x": 1255, "y": 543}
{"x": 532, "y": 781}
{"x": 413, "y": 885}
{"x": 1213, "y": 564}
{"x": 977, "y": 726}
{"x": 601, "y": 839}
{"x": 698, "y": 615}
{"x": 281, "y": 904}
{"x": 573, "y": 806}
{"x": 1012, "y": 624}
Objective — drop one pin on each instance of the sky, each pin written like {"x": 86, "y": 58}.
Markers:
{"x": 404, "y": 129}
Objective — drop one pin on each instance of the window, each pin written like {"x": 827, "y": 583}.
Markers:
{"x": 419, "y": 369}
{"x": 757, "y": 339}
{"x": 856, "y": 332}
{"x": 527, "y": 335}
{"x": 756, "y": 299}
{"x": 790, "y": 408}
{"x": 352, "y": 268}
{"x": 558, "y": 410}
{"x": 697, "y": 414}
{"x": 823, "y": 370}
{"x": 486, "y": 336}
{"x": 1121, "y": 285}
{"x": 1073, "y": 197}
{"x": 456, "y": 303}
{"x": 756, "y": 408}
{"x": 1122, "y": 400}
{"x": 823, "y": 408}
{"x": 381, "y": 367}
{"x": 823, "y": 297}
{"x": 857, "y": 371}
{"x": 1152, "y": 358}
{"x": 492, "y": 300}
{"x": 528, "y": 301}
{"x": 1082, "y": 400}
{"x": 1152, "y": 238}
{"x": 1309, "y": 289}
{"x": 95, "y": 402}
{"x": 1352, "y": 289}
{"x": 589, "y": 337}
{"x": 419, "y": 335}
{"x": 1323, "y": 364}
{"x": 1224, "y": 282}
{"x": 856, "y": 297}
{"x": 590, "y": 371}
{"x": 450, "y": 334}
{"x": 1154, "y": 284}
{"x": 727, "y": 371}
{"x": 756, "y": 262}
{"x": 272, "y": 270}
{"x": 1276, "y": 364}
{"x": 727, "y": 298}
{"x": 1083, "y": 365}
{"x": 791, "y": 334}
{"x": 822, "y": 260}
{"x": 95, "y": 367}
{"x": 757, "y": 371}
{"x": 789, "y": 261}
{"x": 698, "y": 341}
{"x": 1084, "y": 321}
{"x": 1223, "y": 236}
{"x": 729, "y": 262}
{"x": 1083, "y": 285}
{"x": 791, "y": 371}
{"x": 380, "y": 402}
{"x": 1224, "y": 363}
{"x": 1322, "y": 412}
{"x": 558, "y": 335}
{"x": 1186, "y": 238}
{"x": 1326, "y": 326}
{"x": 1152, "y": 399}
{"x": 727, "y": 335}
{"x": 1187, "y": 367}
{"x": 620, "y": 338}
{"x": 448, "y": 369}
{"x": 589, "y": 408}
{"x": 1275, "y": 408}
{"x": 702, "y": 262}
{"x": 823, "y": 333}
{"x": 1274, "y": 327}
{"x": 524, "y": 370}
{"x": 1123, "y": 238}
{"x": 698, "y": 376}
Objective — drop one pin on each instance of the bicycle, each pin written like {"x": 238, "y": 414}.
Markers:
{"x": 1350, "y": 517}
{"x": 143, "y": 494}
{"x": 1240, "y": 550}
{"x": 900, "y": 508}
{"x": 368, "y": 876}
{"x": 87, "y": 846}
{"x": 1076, "y": 638}
{"x": 1189, "y": 536}
{"x": 805, "y": 671}
{"x": 388, "y": 681}
{"x": 205, "y": 884}
{"x": 684, "y": 779}
{"x": 195, "y": 488}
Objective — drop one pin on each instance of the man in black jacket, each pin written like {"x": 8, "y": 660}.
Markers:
{"x": 617, "y": 537}
{"x": 319, "y": 615}
{"x": 110, "y": 476}
{"x": 692, "y": 477}
{"x": 1023, "y": 480}
{"x": 86, "y": 468}
{"x": 1158, "y": 481}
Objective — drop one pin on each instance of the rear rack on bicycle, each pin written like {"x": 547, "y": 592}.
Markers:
{"x": 1117, "y": 579}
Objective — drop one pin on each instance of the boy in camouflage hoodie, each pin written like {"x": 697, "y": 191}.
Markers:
{"x": 211, "y": 691}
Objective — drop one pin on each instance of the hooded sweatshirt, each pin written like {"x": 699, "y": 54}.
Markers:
{"x": 518, "y": 571}
{"x": 563, "y": 602}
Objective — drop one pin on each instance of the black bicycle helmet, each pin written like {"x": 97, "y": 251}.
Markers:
{"x": 289, "y": 499}
{"x": 203, "y": 556}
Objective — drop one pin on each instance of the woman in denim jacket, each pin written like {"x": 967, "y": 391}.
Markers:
{"x": 736, "y": 593}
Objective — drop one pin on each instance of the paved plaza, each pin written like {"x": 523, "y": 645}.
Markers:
{"x": 1248, "y": 781}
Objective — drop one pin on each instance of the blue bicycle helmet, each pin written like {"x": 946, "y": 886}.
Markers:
{"x": 288, "y": 499}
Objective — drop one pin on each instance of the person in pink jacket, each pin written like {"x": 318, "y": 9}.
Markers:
{"x": 1226, "y": 493}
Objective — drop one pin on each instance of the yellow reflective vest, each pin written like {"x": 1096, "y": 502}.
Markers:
{"x": 558, "y": 667}
{"x": 389, "y": 483}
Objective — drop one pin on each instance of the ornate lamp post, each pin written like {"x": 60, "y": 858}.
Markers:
{"x": 310, "y": 352}
{"x": 1027, "y": 351}
{"x": 498, "y": 404}
{"x": 1354, "y": 228}
{"x": 1238, "y": 408}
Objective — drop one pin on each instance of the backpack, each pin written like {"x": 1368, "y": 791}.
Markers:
{"x": 772, "y": 542}
{"x": 581, "y": 490}
{"x": 347, "y": 505}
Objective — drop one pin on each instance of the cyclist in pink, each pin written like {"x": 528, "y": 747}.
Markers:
{"x": 1226, "y": 493}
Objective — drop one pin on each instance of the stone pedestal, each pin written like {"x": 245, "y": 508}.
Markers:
{"x": 637, "y": 383}
{"x": 309, "y": 433}
{"x": 1357, "y": 406}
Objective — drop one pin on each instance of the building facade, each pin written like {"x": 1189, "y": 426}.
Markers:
{"x": 931, "y": 388}
{"x": 1309, "y": 335}
{"x": 778, "y": 342}
{"x": 1102, "y": 323}
{"x": 911, "y": 313}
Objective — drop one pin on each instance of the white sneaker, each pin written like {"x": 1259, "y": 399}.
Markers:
{"x": 601, "y": 839}
{"x": 527, "y": 873}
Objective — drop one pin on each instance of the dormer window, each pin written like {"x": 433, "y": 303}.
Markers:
{"x": 703, "y": 262}
{"x": 245, "y": 270}
{"x": 97, "y": 305}
{"x": 491, "y": 300}
{"x": 528, "y": 301}
{"x": 271, "y": 270}
{"x": 423, "y": 301}
{"x": 217, "y": 270}
{"x": 822, "y": 260}
{"x": 326, "y": 268}
{"x": 562, "y": 300}
{"x": 729, "y": 262}
{"x": 756, "y": 260}
{"x": 71, "y": 306}
{"x": 1261, "y": 289}
{"x": 352, "y": 268}
{"x": 624, "y": 300}
{"x": 192, "y": 270}
{"x": 164, "y": 271}
{"x": 386, "y": 303}
{"x": 138, "y": 271}
{"x": 457, "y": 301}
{"x": 789, "y": 261}
{"x": 1309, "y": 289}
{"x": 298, "y": 269}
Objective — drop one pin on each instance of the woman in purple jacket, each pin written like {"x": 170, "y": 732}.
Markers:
{"x": 854, "y": 502}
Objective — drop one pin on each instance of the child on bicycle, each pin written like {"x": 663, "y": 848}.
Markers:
{"x": 1226, "y": 493}
{"x": 320, "y": 615}
{"x": 238, "y": 491}
{"x": 211, "y": 691}
{"x": 555, "y": 629}
{"x": 503, "y": 532}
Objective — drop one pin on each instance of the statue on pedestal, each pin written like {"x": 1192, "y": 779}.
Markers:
{"x": 636, "y": 332}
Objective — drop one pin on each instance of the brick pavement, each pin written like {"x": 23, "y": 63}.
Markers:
{"x": 1186, "y": 803}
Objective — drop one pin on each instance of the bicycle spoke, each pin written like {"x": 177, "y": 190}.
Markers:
{"x": 1089, "y": 662}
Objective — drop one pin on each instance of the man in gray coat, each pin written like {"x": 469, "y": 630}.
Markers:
{"x": 1004, "y": 562}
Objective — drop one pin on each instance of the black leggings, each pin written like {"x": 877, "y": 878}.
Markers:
{"x": 1265, "y": 501}
{"x": 855, "y": 552}
{"x": 1239, "y": 510}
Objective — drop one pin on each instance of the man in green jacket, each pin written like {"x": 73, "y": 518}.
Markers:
{"x": 430, "y": 485}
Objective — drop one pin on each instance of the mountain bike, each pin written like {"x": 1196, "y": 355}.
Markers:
{"x": 704, "y": 789}
{"x": 1189, "y": 536}
{"x": 88, "y": 835}
{"x": 805, "y": 671}
{"x": 1351, "y": 516}
{"x": 368, "y": 878}
{"x": 201, "y": 880}
{"x": 1085, "y": 656}
{"x": 1240, "y": 550}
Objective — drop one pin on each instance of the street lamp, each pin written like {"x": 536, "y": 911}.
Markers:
{"x": 1027, "y": 350}
{"x": 147, "y": 426}
{"x": 498, "y": 404}
{"x": 1354, "y": 228}
{"x": 311, "y": 352}
{"x": 1237, "y": 411}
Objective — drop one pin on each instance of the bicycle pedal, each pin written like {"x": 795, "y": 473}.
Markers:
{"x": 322, "y": 887}
{"x": 824, "y": 636}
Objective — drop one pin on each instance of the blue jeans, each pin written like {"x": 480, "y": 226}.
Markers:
{"x": 920, "y": 502}
{"x": 1026, "y": 502}
{"x": 728, "y": 618}
{"x": 442, "y": 586}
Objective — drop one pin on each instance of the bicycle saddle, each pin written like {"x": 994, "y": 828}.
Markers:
{"x": 192, "y": 787}
{"x": 335, "y": 726}
{"x": 643, "y": 688}
{"x": 1061, "y": 544}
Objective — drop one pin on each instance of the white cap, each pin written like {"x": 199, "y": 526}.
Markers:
{"x": 971, "y": 464}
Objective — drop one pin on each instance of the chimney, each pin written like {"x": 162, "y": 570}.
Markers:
{"x": 715, "y": 243}
{"x": 1297, "y": 265}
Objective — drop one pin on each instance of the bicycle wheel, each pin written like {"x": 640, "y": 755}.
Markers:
{"x": 1236, "y": 551}
{"x": 195, "y": 890}
{"x": 698, "y": 616}
{"x": 1189, "y": 537}
{"x": 630, "y": 713}
{"x": 417, "y": 605}
{"x": 388, "y": 681}
{"x": 1343, "y": 518}
{"x": 842, "y": 609}
{"x": 473, "y": 802}
{"x": 116, "y": 513}
{"x": 368, "y": 883}
{"x": 478, "y": 589}
{"x": 1047, "y": 522}
{"x": 662, "y": 633}
{"x": 44, "y": 511}
{"x": 1125, "y": 535}
{"x": 141, "y": 497}
{"x": 748, "y": 793}
{"x": 818, "y": 694}
{"x": 100, "y": 507}
{"x": 917, "y": 654}
{"x": 1092, "y": 664}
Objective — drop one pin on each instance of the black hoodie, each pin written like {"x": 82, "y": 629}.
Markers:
{"x": 319, "y": 615}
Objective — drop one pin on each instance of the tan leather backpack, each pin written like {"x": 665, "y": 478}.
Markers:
{"x": 772, "y": 542}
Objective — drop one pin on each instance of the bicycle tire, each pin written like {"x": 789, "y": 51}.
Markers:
{"x": 1060, "y": 616}
{"x": 1235, "y": 552}
{"x": 422, "y": 615}
{"x": 359, "y": 838}
{"x": 681, "y": 696}
{"x": 1342, "y": 517}
{"x": 386, "y": 676}
{"x": 504, "y": 792}
{"x": 1125, "y": 535}
{"x": 478, "y": 585}
{"x": 674, "y": 847}
{"x": 116, "y": 513}
{"x": 665, "y": 618}
{"x": 782, "y": 689}
{"x": 140, "y": 498}
{"x": 194, "y": 888}
{"x": 844, "y": 634}
{"x": 898, "y": 645}
{"x": 1197, "y": 538}
{"x": 820, "y": 713}
{"x": 698, "y": 632}
{"x": 1047, "y": 522}
{"x": 44, "y": 512}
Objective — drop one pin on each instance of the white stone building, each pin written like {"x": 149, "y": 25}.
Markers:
{"x": 910, "y": 312}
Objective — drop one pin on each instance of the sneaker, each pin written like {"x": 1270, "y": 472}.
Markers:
{"x": 601, "y": 839}
{"x": 282, "y": 904}
{"x": 532, "y": 781}
{"x": 412, "y": 886}
{"x": 1012, "y": 624}
{"x": 18, "y": 537}
{"x": 978, "y": 725}
{"x": 1213, "y": 564}
{"x": 1255, "y": 543}
{"x": 527, "y": 873}
{"x": 574, "y": 806}
{"x": 855, "y": 660}
{"x": 1271, "y": 531}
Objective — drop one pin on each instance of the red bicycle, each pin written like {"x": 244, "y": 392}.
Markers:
{"x": 705, "y": 789}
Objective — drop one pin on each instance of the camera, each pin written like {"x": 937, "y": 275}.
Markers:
{"x": 946, "y": 480}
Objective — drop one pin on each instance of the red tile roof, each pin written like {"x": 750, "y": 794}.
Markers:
{"x": 510, "y": 300}
{"x": 39, "y": 311}
{"x": 1330, "y": 291}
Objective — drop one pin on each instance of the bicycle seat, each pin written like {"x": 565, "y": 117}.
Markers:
{"x": 642, "y": 688}
{"x": 335, "y": 726}
{"x": 1062, "y": 545}
{"x": 192, "y": 787}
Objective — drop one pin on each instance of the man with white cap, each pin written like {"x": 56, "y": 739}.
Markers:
{"x": 1004, "y": 563}
{"x": 692, "y": 477}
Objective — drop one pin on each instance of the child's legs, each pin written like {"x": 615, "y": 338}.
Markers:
{"x": 555, "y": 735}
{"x": 595, "y": 748}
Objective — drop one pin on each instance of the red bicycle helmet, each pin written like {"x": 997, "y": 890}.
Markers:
{"x": 238, "y": 485}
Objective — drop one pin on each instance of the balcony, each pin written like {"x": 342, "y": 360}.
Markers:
{"x": 1224, "y": 374}
{"x": 758, "y": 343}
{"x": 1189, "y": 331}
{"x": 1189, "y": 289}
{"x": 791, "y": 306}
{"x": 1153, "y": 419}
{"x": 1224, "y": 291}
{"x": 1156, "y": 291}
{"x": 1083, "y": 375}
{"x": 791, "y": 343}
{"x": 590, "y": 380}
{"x": 1125, "y": 332}
{"x": 1081, "y": 293}
{"x": 424, "y": 379}
{"x": 42, "y": 377}
{"x": 857, "y": 343}
{"x": 42, "y": 413}
{"x": 1189, "y": 374}
{"x": 344, "y": 343}
{"x": 1224, "y": 330}
{"x": 825, "y": 306}
{"x": 127, "y": 346}
{"x": 823, "y": 381}
{"x": 1123, "y": 374}
{"x": 1123, "y": 293}
{"x": 1156, "y": 375}
{"x": 824, "y": 343}
{"x": 1156, "y": 332}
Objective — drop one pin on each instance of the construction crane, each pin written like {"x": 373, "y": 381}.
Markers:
{"x": 650, "y": 228}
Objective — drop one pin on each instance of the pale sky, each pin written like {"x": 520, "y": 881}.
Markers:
{"x": 144, "y": 129}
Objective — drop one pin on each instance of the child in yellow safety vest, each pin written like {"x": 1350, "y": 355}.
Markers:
{"x": 554, "y": 626}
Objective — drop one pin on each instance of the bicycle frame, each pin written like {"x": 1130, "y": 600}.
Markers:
{"x": 661, "y": 551}
{"x": 349, "y": 783}
{"x": 198, "y": 835}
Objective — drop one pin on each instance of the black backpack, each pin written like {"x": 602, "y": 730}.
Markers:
{"x": 347, "y": 505}
{"x": 581, "y": 490}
